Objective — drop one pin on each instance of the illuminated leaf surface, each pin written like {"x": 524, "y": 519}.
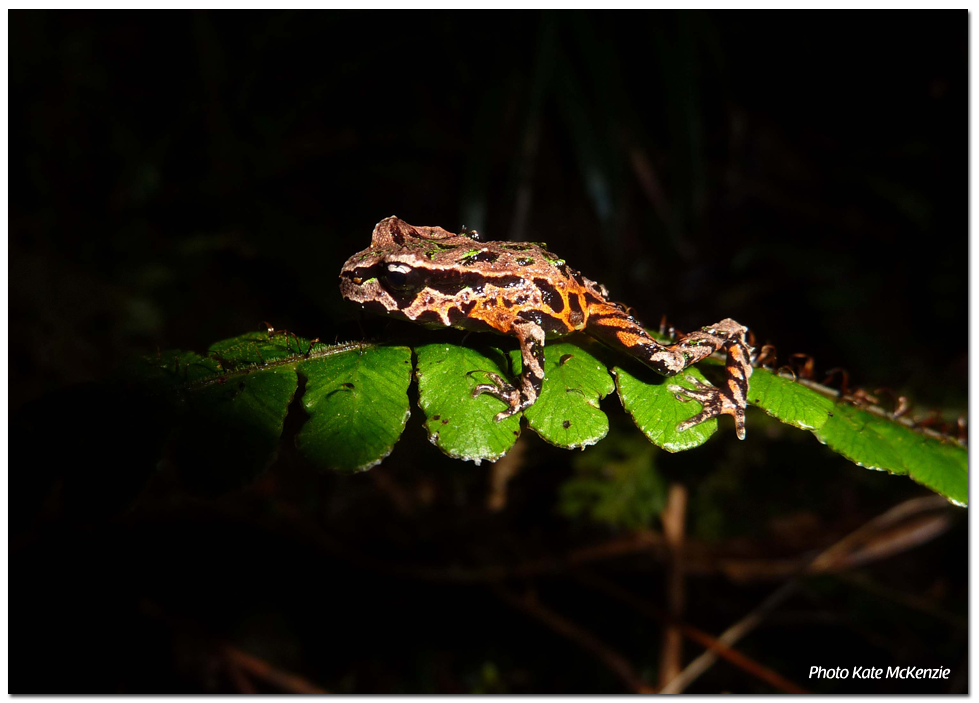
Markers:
{"x": 230, "y": 407}
{"x": 657, "y": 412}
{"x": 877, "y": 443}
{"x": 460, "y": 425}
{"x": 357, "y": 404}
{"x": 567, "y": 413}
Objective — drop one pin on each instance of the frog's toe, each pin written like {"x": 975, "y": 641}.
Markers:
{"x": 702, "y": 416}
{"x": 486, "y": 388}
{"x": 700, "y": 392}
{"x": 500, "y": 416}
{"x": 715, "y": 403}
{"x": 496, "y": 378}
{"x": 501, "y": 390}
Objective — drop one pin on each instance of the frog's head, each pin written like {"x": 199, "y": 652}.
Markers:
{"x": 396, "y": 265}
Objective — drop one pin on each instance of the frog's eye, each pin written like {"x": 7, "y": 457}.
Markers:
{"x": 397, "y": 274}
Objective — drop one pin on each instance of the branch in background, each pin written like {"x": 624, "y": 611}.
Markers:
{"x": 699, "y": 557}
{"x": 865, "y": 550}
{"x": 829, "y": 559}
{"x": 500, "y": 474}
{"x": 736, "y": 658}
{"x": 584, "y": 639}
{"x": 673, "y": 517}
{"x": 291, "y": 683}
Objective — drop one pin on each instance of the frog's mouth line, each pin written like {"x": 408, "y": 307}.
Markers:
{"x": 371, "y": 284}
{"x": 361, "y": 276}
{"x": 363, "y": 285}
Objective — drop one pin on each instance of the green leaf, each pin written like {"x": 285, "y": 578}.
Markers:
{"x": 231, "y": 406}
{"x": 567, "y": 413}
{"x": 231, "y": 424}
{"x": 657, "y": 412}
{"x": 258, "y": 348}
{"x": 789, "y": 401}
{"x": 460, "y": 425}
{"x": 878, "y": 443}
{"x": 240, "y": 420}
{"x": 357, "y": 403}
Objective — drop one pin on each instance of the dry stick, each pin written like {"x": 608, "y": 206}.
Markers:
{"x": 242, "y": 683}
{"x": 896, "y": 540}
{"x": 634, "y": 544}
{"x": 612, "y": 659}
{"x": 736, "y": 658}
{"x": 234, "y": 658}
{"x": 825, "y": 561}
{"x": 501, "y": 473}
{"x": 881, "y": 545}
{"x": 400, "y": 498}
{"x": 832, "y": 556}
{"x": 263, "y": 670}
{"x": 729, "y": 638}
{"x": 673, "y": 517}
{"x": 644, "y": 541}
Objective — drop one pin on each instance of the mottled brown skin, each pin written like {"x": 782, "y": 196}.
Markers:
{"x": 433, "y": 277}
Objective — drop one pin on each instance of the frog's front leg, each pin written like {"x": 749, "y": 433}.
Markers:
{"x": 613, "y": 325}
{"x": 531, "y": 379}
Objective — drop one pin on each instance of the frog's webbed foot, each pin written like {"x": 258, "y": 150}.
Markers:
{"x": 501, "y": 389}
{"x": 715, "y": 402}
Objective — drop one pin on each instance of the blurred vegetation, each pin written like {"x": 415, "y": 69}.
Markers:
{"x": 615, "y": 485}
{"x": 177, "y": 178}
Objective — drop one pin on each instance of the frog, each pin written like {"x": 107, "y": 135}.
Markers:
{"x": 438, "y": 279}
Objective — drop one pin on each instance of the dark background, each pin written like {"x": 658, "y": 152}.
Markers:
{"x": 177, "y": 178}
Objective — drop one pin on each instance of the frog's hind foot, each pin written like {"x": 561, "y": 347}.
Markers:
{"x": 715, "y": 402}
{"x": 502, "y": 390}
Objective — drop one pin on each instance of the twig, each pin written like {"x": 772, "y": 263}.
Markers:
{"x": 862, "y": 550}
{"x": 836, "y": 553}
{"x": 400, "y": 498}
{"x": 896, "y": 540}
{"x": 673, "y": 517}
{"x": 633, "y": 544}
{"x": 699, "y": 557}
{"x": 263, "y": 670}
{"x": 829, "y": 559}
{"x": 238, "y": 677}
{"x": 736, "y": 658}
{"x": 612, "y": 659}
{"x": 235, "y": 659}
{"x": 729, "y": 637}
{"x": 501, "y": 473}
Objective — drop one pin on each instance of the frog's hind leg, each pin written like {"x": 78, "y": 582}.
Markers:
{"x": 528, "y": 385}
{"x": 613, "y": 325}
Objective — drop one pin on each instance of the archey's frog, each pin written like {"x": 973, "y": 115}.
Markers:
{"x": 433, "y": 277}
